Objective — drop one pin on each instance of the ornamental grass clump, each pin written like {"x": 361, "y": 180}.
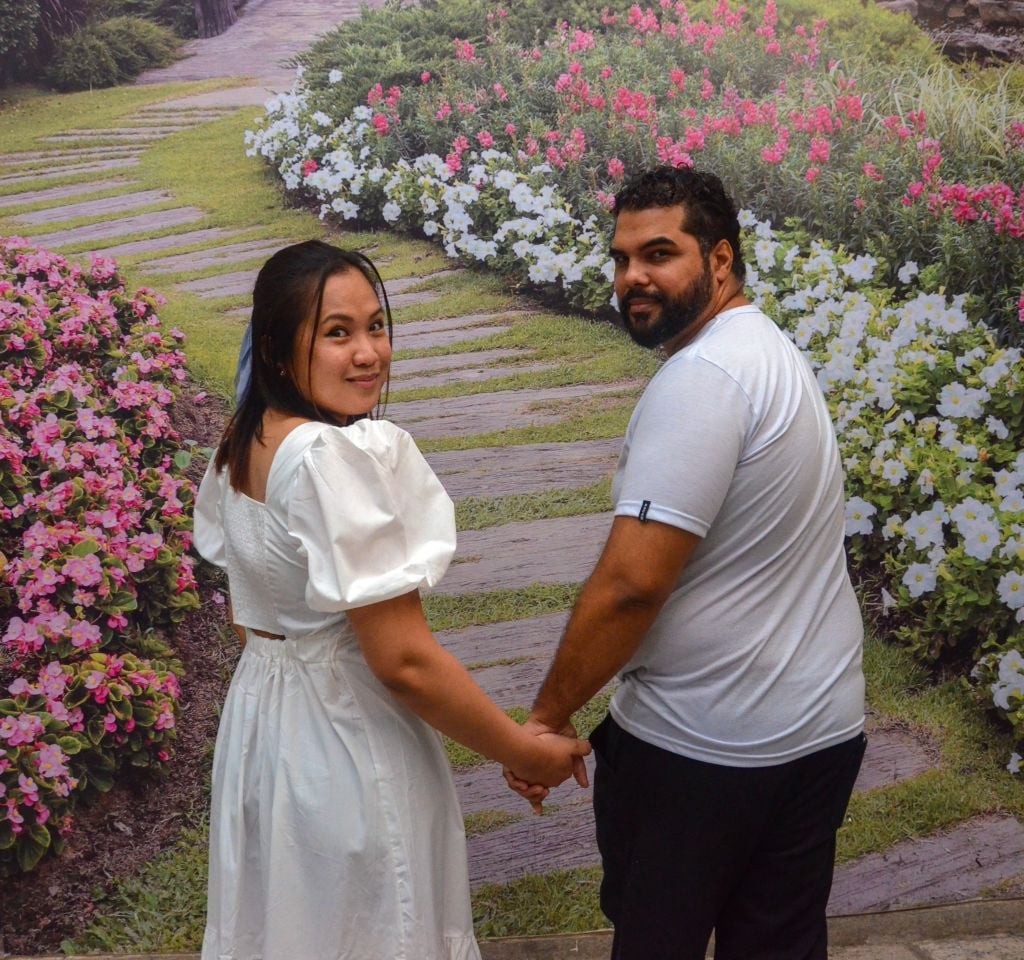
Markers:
{"x": 794, "y": 122}
{"x": 96, "y": 529}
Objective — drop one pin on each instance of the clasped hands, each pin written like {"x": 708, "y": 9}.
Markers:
{"x": 575, "y": 751}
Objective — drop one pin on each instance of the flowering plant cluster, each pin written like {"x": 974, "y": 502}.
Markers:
{"x": 929, "y": 412}
{"x": 788, "y": 127}
{"x": 96, "y": 529}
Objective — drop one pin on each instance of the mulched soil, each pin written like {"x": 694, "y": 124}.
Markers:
{"x": 143, "y": 814}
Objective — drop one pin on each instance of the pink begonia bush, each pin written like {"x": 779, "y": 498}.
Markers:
{"x": 96, "y": 533}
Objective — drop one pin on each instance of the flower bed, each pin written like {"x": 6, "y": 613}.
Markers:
{"x": 508, "y": 154}
{"x": 96, "y": 529}
{"x": 929, "y": 412}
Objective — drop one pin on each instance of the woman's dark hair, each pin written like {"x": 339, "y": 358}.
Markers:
{"x": 710, "y": 214}
{"x": 288, "y": 294}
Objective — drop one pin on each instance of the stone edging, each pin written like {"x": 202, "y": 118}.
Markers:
{"x": 972, "y": 918}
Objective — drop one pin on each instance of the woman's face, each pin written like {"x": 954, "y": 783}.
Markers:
{"x": 351, "y": 350}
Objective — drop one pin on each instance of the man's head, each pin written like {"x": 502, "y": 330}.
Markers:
{"x": 676, "y": 252}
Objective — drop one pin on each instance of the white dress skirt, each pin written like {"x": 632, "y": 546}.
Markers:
{"x": 335, "y": 830}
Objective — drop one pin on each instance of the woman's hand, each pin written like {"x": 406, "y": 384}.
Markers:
{"x": 531, "y": 780}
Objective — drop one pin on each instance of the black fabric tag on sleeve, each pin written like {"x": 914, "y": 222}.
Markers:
{"x": 644, "y": 507}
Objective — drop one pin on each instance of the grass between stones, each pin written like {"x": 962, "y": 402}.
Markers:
{"x": 476, "y": 513}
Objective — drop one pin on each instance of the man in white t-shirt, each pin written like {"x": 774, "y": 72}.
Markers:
{"x": 722, "y": 601}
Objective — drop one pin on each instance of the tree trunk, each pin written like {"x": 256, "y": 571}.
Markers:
{"x": 214, "y": 16}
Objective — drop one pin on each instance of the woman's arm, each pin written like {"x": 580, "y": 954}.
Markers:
{"x": 239, "y": 631}
{"x": 405, "y": 656}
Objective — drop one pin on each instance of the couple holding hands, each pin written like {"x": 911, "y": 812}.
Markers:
{"x": 721, "y": 600}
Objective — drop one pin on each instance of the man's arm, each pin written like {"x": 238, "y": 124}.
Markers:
{"x": 637, "y": 571}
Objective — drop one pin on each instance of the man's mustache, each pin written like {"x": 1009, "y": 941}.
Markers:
{"x": 627, "y": 298}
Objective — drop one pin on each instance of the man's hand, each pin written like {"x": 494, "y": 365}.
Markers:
{"x": 536, "y": 794}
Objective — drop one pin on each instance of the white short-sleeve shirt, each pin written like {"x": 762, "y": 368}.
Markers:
{"x": 755, "y": 659}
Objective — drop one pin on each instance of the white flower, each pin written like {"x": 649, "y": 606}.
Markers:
{"x": 1014, "y": 765}
{"x": 925, "y": 529}
{"x": 1011, "y": 665}
{"x": 861, "y": 268}
{"x": 430, "y": 227}
{"x": 335, "y": 76}
{"x": 981, "y": 539}
{"x": 997, "y": 428}
{"x": 894, "y": 472}
{"x": 907, "y": 271}
{"x": 1011, "y": 589}
{"x": 1012, "y": 501}
{"x": 747, "y": 218}
{"x": 970, "y": 511}
{"x": 956, "y": 400}
{"x": 888, "y": 601}
{"x": 920, "y": 578}
{"x": 858, "y": 514}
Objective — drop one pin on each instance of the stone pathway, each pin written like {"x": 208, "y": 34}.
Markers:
{"x": 105, "y": 210}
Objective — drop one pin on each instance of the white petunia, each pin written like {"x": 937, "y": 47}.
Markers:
{"x": 997, "y": 428}
{"x": 1011, "y": 589}
{"x": 858, "y": 516}
{"x": 907, "y": 272}
{"x": 981, "y": 539}
{"x": 894, "y": 471}
{"x": 861, "y": 268}
{"x": 335, "y": 76}
{"x": 920, "y": 578}
{"x": 1014, "y": 765}
{"x": 430, "y": 227}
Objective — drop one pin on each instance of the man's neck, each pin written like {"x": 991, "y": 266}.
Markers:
{"x": 731, "y": 296}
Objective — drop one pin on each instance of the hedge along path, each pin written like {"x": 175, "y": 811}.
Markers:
{"x": 500, "y": 410}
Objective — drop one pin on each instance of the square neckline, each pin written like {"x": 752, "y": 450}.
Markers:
{"x": 273, "y": 462}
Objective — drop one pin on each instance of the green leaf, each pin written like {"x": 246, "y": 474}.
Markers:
{"x": 85, "y": 547}
{"x": 95, "y": 729}
{"x": 70, "y": 745}
{"x": 101, "y": 780}
{"x": 40, "y": 835}
{"x": 29, "y": 854}
{"x": 182, "y": 459}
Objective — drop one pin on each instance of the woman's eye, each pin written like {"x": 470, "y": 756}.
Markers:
{"x": 337, "y": 332}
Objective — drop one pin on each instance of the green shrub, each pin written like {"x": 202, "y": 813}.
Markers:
{"x": 19, "y": 20}
{"x": 110, "y": 52}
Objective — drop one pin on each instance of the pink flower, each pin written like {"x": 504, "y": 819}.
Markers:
{"x": 109, "y": 723}
{"x": 812, "y": 174}
{"x": 485, "y": 139}
{"x": 51, "y": 762}
{"x": 870, "y": 170}
{"x": 820, "y": 150}
{"x": 510, "y": 129}
{"x": 425, "y": 77}
{"x": 616, "y": 168}
{"x": 380, "y": 123}
{"x": 309, "y": 166}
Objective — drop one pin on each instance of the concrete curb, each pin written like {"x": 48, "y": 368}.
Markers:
{"x": 970, "y": 919}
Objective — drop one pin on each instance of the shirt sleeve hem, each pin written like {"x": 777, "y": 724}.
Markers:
{"x": 645, "y": 510}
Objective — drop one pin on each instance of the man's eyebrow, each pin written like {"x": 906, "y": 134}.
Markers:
{"x": 648, "y": 245}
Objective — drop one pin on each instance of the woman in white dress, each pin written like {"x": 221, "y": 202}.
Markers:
{"x": 335, "y": 831}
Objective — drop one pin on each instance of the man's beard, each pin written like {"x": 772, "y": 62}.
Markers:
{"x": 676, "y": 313}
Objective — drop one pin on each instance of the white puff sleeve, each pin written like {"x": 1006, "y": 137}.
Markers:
{"x": 372, "y": 520}
{"x": 208, "y": 529}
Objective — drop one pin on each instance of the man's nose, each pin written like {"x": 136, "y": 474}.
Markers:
{"x": 635, "y": 275}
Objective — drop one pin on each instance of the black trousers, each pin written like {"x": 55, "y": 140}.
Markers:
{"x": 690, "y": 847}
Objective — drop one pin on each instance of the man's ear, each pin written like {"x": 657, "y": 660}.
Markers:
{"x": 721, "y": 260}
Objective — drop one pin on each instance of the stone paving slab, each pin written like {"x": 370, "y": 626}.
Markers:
{"x": 487, "y": 412}
{"x": 36, "y": 156}
{"x": 94, "y": 208}
{"x": 125, "y": 225}
{"x": 223, "y": 284}
{"x": 557, "y": 841}
{"x": 468, "y": 375}
{"x": 127, "y": 135}
{"x": 400, "y": 300}
{"x": 416, "y": 327}
{"x": 894, "y": 755}
{"x": 101, "y": 166}
{"x": 954, "y": 865}
{"x": 405, "y": 368}
{"x": 152, "y": 244}
{"x": 60, "y": 193}
{"x": 498, "y": 471}
{"x": 403, "y": 284}
{"x": 211, "y": 257}
{"x": 445, "y": 338}
{"x": 532, "y": 637}
{"x": 516, "y": 555}
{"x": 62, "y": 159}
